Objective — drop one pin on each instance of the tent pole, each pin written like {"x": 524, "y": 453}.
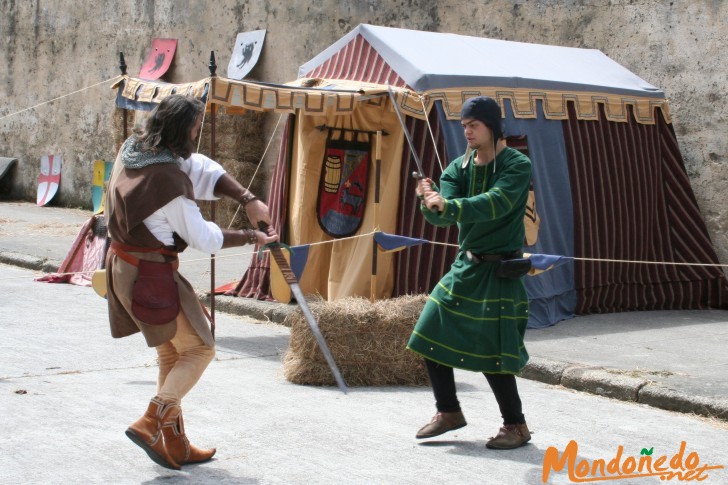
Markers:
{"x": 122, "y": 68}
{"x": 377, "y": 168}
{"x": 212, "y": 66}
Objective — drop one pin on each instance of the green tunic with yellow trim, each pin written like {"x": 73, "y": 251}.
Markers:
{"x": 474, "y": 319}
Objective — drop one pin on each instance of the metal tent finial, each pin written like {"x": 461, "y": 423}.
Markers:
{"x": 212, "y": 66}
{"x": 122, "y": 64}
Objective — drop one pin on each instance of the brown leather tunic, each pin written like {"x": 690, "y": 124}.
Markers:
{"x": 133, "y": 195}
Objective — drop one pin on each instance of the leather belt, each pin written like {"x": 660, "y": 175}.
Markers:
{"x": 121, "y": 251}
{"x": 490, "y": 258}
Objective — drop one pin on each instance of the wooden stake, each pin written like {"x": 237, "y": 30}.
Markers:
{"x": 377, "y": 168}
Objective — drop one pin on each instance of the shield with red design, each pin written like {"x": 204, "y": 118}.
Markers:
{"x": 159, "y": 59}
{"x": 343, "y": 187}
{"x": 49, "y": 178}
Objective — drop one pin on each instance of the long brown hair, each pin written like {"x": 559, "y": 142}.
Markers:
{"x": 170, "y": 126}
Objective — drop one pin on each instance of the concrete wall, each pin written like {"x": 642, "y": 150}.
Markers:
{"x": 53, "y": 48}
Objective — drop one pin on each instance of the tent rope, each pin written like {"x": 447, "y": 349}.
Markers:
{"x": 432, "y": 135}
{"x": 114, "y": 79}
{"x": 214, "y": 257}
{"x": 260, "y": 162}
{"x": 202, "y": 124}
{"x": 332, "y": 241}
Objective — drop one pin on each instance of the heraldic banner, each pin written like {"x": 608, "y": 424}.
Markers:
{"x": 343, "y": 185}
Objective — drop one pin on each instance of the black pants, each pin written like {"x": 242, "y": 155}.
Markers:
{"x": 503, "y": 386}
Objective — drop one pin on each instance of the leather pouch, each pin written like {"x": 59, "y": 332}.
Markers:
{"x": 155, "y": 299}
{"x": 513, "y": 268}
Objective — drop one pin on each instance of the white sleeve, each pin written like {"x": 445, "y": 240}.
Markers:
{"x": 185, "y": 219}
{"x": 204, "y": 174}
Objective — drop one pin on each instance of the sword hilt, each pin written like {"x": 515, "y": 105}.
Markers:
{"x": 277, "y": 253}
{"x": 262, "y": 226}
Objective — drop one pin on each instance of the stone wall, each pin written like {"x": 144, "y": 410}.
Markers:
{"x": 54, "y": 48}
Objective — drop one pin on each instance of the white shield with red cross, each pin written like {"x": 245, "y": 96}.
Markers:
{"x": 49, "y": 178}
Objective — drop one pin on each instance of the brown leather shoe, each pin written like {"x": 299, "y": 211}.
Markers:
{"x": 146, "y": 432}
{"x": 510, "y": 436}
{"x": 176, "y": 441}
{"x": 442, "y": 423}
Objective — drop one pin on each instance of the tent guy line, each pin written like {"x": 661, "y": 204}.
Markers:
{"x": 432, "y": 135}
{"x": 113, "y": 79}
{"x": 372, "y": 233}
{"x": 260, "y": 162}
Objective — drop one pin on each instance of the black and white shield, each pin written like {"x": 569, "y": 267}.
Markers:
{"x": 246, "y": 52}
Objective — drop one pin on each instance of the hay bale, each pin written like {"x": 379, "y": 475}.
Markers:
{"x": 367, "y": 340}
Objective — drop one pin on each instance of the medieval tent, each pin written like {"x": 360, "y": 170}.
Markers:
{"x": 608, "y": 175}
{"x": 85, "y": 256}
{"x": 610, "y": 186}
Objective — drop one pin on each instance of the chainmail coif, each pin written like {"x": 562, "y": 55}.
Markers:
{"x": 132, "y": 157}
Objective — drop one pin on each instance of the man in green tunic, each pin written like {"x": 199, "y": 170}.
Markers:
{"x": 475, "y": 318}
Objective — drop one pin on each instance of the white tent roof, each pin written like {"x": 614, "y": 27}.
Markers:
{"x": 430, "y": 60}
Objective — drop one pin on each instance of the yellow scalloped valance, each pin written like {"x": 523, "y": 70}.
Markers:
{"x": 286, "y": 98}
{"x": 339, "y": 97}
{"x": 553, "y": 103}
{"x": 154, "y": 91}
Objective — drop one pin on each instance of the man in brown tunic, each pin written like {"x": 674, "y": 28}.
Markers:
{"x": 152, "y": 216}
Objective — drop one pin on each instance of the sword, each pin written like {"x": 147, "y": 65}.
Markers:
{"x": 420, "y": 173}
{"x": 275, "y": 250}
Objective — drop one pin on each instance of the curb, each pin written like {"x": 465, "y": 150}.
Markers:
{"x": 29, "y": 262}
{"x": 672, "y": 400}
{"x": 613, "y": 384}
{"x": 601, "y": 381}
{"x": 247, "y": 307}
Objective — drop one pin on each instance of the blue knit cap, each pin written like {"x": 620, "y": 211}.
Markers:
{"x": 485, "y": 109}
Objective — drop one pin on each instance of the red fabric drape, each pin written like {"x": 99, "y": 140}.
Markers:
{"x": 357, "y": 61}
{"x": 256, "y": 280}
{"x": 419, "y": 268}
{"x": 633, "y": 201}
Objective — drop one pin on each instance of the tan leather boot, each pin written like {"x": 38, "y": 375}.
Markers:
{"x": 147, "y": 433}
{"x": 510, "y": 436}
{"x": 176, "y": 442}
{"x": 441, "y": 423}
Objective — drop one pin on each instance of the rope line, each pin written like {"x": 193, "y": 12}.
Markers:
{"x": 332, "y": 241}
{"x": 627, "y": 261}
{"x": 260, "y": 162}
{"x": 115, "y": 78}
{"x": 270, "y": 140}
{"x": 432, "y": 135}
{"x": 202, "y": 125}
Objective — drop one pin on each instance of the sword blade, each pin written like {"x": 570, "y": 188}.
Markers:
{"x": 290, "y": 278}
{"x": 406, "y": 133}
{"x": 319, "y": 337}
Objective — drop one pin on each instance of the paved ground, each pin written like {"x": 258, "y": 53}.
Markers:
{"x": 673, "y": 360}
{"x": 68, "y": 391}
